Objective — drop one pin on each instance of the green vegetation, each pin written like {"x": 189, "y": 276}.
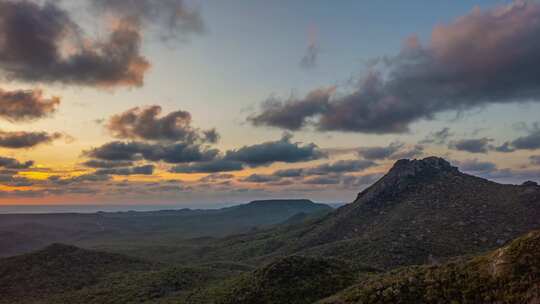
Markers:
{"x": 294, "y": 280}
{"x": 508, "y": 275}
{"x": 421, "y": 213}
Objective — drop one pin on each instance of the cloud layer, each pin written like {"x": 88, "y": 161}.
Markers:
{"x": 468, "y": 63}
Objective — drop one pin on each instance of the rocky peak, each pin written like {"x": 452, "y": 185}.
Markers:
{"x": 404, "y": 172}
{"x": 429, "y": 165}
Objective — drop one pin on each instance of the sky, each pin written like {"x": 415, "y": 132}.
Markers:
{"x": 216, "y": 102}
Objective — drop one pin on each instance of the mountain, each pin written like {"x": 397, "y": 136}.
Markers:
{"x": 20, "y": 233}
{"x": 421, "y": 211}
{"x": 508, "y": 275}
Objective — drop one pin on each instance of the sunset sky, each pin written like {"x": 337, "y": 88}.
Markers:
{"x": 208, "y": 102}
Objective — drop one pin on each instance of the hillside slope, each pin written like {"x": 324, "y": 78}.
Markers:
{"x": 507, "y": 275}
{"x": 421, "y": 211}
{"x": 61, "y": 274}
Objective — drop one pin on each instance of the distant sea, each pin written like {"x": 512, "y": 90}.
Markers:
{"x": 36, "y": 209}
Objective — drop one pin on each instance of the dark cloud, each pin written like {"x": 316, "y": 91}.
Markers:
{"x": 26, "y": 105}
{"x": 440, "y": 137}
{"x": 217, "y": 165}
{"x": 11, "y": 163}
{"x": 261, "y": 178}
{"x": 139, "y": 170}
{"x": 530, "y": 141}
{"x": 145, "y": 123}
{"x": 477, "y": 145}
{"x": 341, "y": 166}
{"x": 269, "y": 152}
{"x": 172, "y": 19}
{"x": 104, "y": 164}
{"x": 292, "y": 114}
{"x": 289, "y": 172}
{"x": 89, "y": 177}
{"x": 469, "y": 63}
{"x": 12, "y": 180}
{"x": 211, "y": 136}
{"x": 169, "y": 153}
{"x": 476, "y": 166}
{"x": 376, "y": 153}
{"x": 216, "y": 177}
{"x": 24, "y": 140}
{"x": 323, "y": 180}
{"x": 43, "y": 43}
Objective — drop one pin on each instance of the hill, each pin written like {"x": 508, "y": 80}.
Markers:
{"x": 124, "y": 231}
{"x": 58, "y": 268}
{"x": 508, "y": 275}
{"x": 67, "y": 274}
{"x": 421, "y": 211}
{"x": 294, "y": 280}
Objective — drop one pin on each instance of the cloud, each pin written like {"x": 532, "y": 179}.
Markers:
{"x": 378, "y": 153}
{"x": 24, "y": 140}
{"x": 169, "y": 153}
{"x": 440, "y": 137}
{"x": 289, "y": 172}
{"x": 475, "y": 166}
{"x": 26, "y": 105}
{"x": 293, "y": 114}
{"x": 104, "y": 164}
{"x": 282, "y": 150}
{"x": 145, "y": 123}
{"x": 341, "y": 166}
{"x": 42, "y": 43}
{"x": 216, "y": 177}
{"x": 217, "y": 165}
{"x": 261, "y": 178}
{"x": 140, "y": 170}
{"x": 477, "y": 145}
{"x": 323, "y": 180}
{"x": 468, "y": 63}
{"x": 531, "y": 141}
{"x": 172, "y": 19}
{"x": 11, "y": 163}
{"x": 12, "y": 180}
